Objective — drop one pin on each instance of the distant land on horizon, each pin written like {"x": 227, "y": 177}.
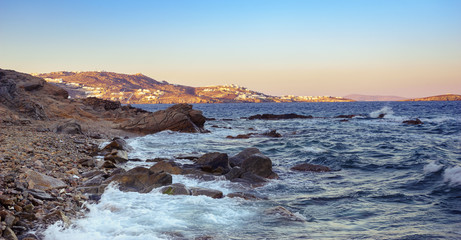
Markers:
{"x": 141, "y": 89}
{"x": 444, "y": 97}
{"x": 377, "y": 98}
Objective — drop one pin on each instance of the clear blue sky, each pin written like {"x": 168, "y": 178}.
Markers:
{"x": 329, "y": 47}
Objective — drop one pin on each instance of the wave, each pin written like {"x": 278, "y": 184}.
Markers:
{"x": 452, "y": 176}
{"x": 432, "y": 167}
{"x": 387, "y": 111}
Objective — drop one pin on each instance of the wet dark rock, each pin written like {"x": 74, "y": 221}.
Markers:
{"x": 241, "y": 136}
{"x": 176, "y": 189}
{"x": 382, "y": 115}
{"x": 307, "y": 167}
{"x": 246, "y": 196}
{"x": 140, "y": 179}
{"x": 195, "y": 191}
{"x": 346, "y": 116}
{"x": 238, "y": 159}
{"x": 413, "y": 122}
{"x": 214, "y": 162}
{"x": 272, "y": 133}
{"x": 277, "y": 117}
{"x": 166, "y": 166}
{"x": 260, "y": 165}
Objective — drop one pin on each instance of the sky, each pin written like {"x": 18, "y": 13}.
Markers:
{"x": 409, "y": 48}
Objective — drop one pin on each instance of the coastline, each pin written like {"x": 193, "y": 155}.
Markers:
{"x": 34, "y": 147}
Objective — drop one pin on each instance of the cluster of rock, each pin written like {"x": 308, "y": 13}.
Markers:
{"x": 47, "y": 148}
{"x": 24, "y": 97}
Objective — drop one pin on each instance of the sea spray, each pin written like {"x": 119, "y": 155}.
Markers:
{"x": 453, "y": 176}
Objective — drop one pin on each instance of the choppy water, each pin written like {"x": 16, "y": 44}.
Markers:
{"x": 393, "y": 181}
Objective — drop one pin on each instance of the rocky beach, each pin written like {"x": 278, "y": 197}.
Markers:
{"x": 51, "y": 162}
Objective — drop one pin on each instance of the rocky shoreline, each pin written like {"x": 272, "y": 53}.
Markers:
{"x": 48, "y": 149}
{"x": 41, "y": 172}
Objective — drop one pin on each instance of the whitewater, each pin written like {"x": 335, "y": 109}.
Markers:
{"x": 389, "y": 181}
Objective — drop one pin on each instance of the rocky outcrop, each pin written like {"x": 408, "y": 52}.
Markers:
{"x": 140, "y": 179}
{"x": 180, "y": 117}
{"x": 307, "y": 167}
{"x": 277, "y": 117}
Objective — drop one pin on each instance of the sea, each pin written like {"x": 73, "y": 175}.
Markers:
{"x": 390, "y": 180}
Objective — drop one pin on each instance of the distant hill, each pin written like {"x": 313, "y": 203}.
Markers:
{"x": 362, "y": 98}
{"x": 445, "y": 97}
{"x": 138, "y": 89}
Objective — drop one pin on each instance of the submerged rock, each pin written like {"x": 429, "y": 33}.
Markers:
{"x": 307, "y": 167}
{"x": 283, "y": 213}
{"x": 413, "y": 122}
{"x": 277, "y": 117}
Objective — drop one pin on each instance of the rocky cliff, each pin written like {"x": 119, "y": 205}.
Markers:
{"x": 25, "y": 98}
{"x": 141, "y": 89}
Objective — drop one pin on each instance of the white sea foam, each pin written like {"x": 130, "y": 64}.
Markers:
{"x": 314, "y": 149}
{"x": 432, "y": 167}
{"x": 453, "y": 176}
{"x": 131, "y": 215}
{"x": 385, "y": 110}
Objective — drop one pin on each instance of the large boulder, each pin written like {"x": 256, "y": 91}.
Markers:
{"x": 39, "y": 181}
{"x": 260, "y": 165}
{"x": 238, "y": 159}
{"x": 140, "y": 179}
{"x": 180, "y": 117}
{"x": 214, "y": 162}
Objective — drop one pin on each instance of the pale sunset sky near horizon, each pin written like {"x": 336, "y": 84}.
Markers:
{"x": 409, "y": 48}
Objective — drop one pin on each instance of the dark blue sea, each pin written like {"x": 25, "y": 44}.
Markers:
{"x": 389, "y": 181}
